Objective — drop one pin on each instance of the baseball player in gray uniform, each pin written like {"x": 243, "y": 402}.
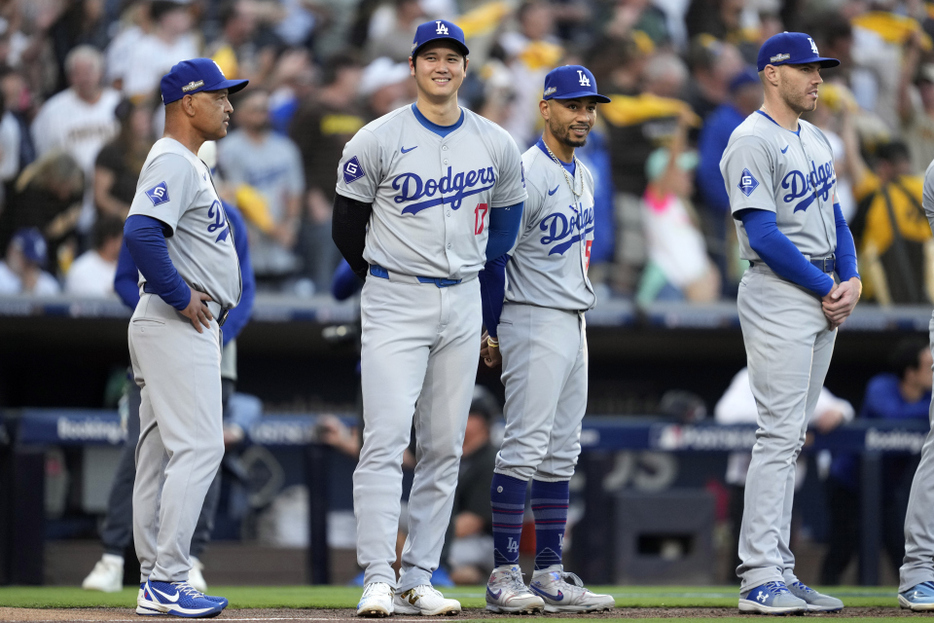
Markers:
{"x": 779, "y": 174}
{"x": 178, "y": 235}
{"x": 916, "y": 576}
{"x": 541, "y": 333}
{"x": 426, "y": 194}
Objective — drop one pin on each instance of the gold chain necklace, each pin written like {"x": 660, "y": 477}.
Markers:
{"x": 567, "y": 176}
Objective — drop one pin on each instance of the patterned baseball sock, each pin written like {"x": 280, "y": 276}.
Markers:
{"x": 507, "y": 497}
{"x": 550, "y": 507}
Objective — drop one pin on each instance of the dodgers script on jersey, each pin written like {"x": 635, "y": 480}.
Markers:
{"x": 431, "y": 196}
{"x": 549, "y": 262}
{"x": 183, "y": 197}
{"x": 790, "y": 173}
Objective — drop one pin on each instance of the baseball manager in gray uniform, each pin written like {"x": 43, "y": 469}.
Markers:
{"x": 426, "y": 194}
{"x": 179, "y": 237}
{"x": 780, "y": 178}
{"x": 544, "y": 353}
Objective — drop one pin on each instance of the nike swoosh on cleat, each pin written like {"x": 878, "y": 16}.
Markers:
{"x": 786, "y": 148}
{"x": 492, "y": 594}
{"x": 172, "y": 598}
{"x": 554, "y": 190}
{"x": 405, "y": 151}
{"x": 557, "y": 597}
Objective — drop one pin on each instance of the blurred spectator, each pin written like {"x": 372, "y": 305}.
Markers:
{"x": 738, "y": 406}
{"x": 292, "y": 81}
{"x": 890, "y": 228}
{"x": 730, "y": 21}
{"x": 531, "y": 51}
{"x": 470, "y": 556}
{"x": 81, "y": 22}
{"x": 47, "y": 195}
{"x": 21, "y": 272}
{"x": 172, "y": 38}
{"x": 237, "y": 50}
{"x": 135, "y": 24}
{"x": 392, "y": 28}
{"x": 713, "y": 65}
{"x": 10, "y": 140}
{"x": 92, "y": 273}
{"x": 323, "y": 124}
{"x": 678, "y": 266}
{"x": 19, "y": 105}
{"x": 79, "y": 120}
{"x": 916, "y": 106}
{"x": 903, "y": 393}
{"x": 270, "y": 166}
{"x": 117, "y": 167}
{"x": 745, "y": 97}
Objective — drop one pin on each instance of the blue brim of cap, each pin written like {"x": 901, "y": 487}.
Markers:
{"x": 232, "y": 86}
{"x": 603, "y": 99}
{"x": 825, "y": 62}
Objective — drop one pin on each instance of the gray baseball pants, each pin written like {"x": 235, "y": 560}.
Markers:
{"x": 788, "y": 351}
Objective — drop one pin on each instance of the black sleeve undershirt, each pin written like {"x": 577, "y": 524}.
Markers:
{"x": 348, "y": 230}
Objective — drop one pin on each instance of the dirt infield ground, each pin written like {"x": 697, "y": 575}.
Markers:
{"x": 345, "y": 614}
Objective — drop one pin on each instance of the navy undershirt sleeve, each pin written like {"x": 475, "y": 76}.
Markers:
{"x": 145, "y": 238}
{"x": 492, "y": 290}
{"x": 126, "y": 281}
{"x": 846, "y": 249}
{"x": 240, "y": 315}
{"x": 780, "y": 254}
{"x": 504, "y": 227}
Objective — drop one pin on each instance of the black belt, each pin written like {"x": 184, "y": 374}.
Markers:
{"x": 221, "y": 316}
{"x": 823, "y": 264}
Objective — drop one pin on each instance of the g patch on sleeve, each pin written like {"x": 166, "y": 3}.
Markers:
{"x": 158, "y": 193}
{"x": 747, "y": 182}
{"x": 352, "y": 170}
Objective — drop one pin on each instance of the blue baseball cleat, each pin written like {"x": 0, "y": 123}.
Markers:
{"x": 918, "y": 598}
{"x": 177, "y": 599}
{"x": 771, "y": 598}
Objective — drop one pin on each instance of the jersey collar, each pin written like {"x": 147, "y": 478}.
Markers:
{"x": 795, "y": 132}
{"x": 440, "y": 130}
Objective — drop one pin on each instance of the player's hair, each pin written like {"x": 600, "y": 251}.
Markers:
{"x": 456, "y": 47}
{"x": 84, "y": 52}
{"x": 907, "y": 355}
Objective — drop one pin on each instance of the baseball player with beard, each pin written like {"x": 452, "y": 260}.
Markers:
{"x": 426, "y": 194}
{"x": 542, "y": 336}
{"x": 779, "y": 174}
{"x": 178, "y": 235}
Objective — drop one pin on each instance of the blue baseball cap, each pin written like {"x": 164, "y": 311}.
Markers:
{"x": 571, "y": 82}
{"x": 791, "y": 48}
{"x": 31, "y": 244}
{"x": 194, "y": 75}
{"x": 438, "y": 29}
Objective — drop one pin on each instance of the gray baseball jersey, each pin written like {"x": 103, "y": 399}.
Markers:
{"x": 770, "y": 168}
{"x": 175, "y": 187}
{"x": 918, "y": 565}
{"x": 549, "y": 262}
{"x": 431, "y": 196}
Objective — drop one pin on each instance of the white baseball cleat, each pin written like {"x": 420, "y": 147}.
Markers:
{"x": 195, "y": 577}
{"x": 506, "y": 592}
{"x": 425, "y": 600}
{"x": 106, "y": 576}
{"x": 376, "y": 600}
{"x": 563, "y": 591}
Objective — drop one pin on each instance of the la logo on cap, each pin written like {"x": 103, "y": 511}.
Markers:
{"x": 585, "y": 81}
{"x": 442, "y": 29}
{"x": 813, "y": 47}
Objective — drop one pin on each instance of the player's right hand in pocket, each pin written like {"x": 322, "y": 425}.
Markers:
{"x": 197, "y": 311}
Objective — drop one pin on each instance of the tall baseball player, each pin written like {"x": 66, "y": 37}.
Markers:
{"x": 178, "y": 235}
{"x": 779, "y": 174}
{"x": 916, "y": 576}
{"x": 426, "y": 194}
{"x": 543, "y": 341}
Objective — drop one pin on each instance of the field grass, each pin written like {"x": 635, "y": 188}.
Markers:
{"x": 469, "y": 596}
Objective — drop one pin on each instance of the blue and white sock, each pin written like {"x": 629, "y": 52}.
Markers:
{"x": 507, "y": 497}
{"x": 550, "y": 508}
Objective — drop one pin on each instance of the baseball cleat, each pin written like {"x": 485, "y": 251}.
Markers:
{"x": 178, "y": 599}
{"x": 506, "y": 592}
{"x": 817, "y": 602}
{"x": 376, "y": 600}
{"x": 142, "y": 610}
{"x": 425, "y": 600}
{"x": 918, "y": 598}
{"x": 771, "y": 598}
{"x": 563, "y": 591}
{"x": 196, "y": 577}
{"x": 106, "y": 576}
